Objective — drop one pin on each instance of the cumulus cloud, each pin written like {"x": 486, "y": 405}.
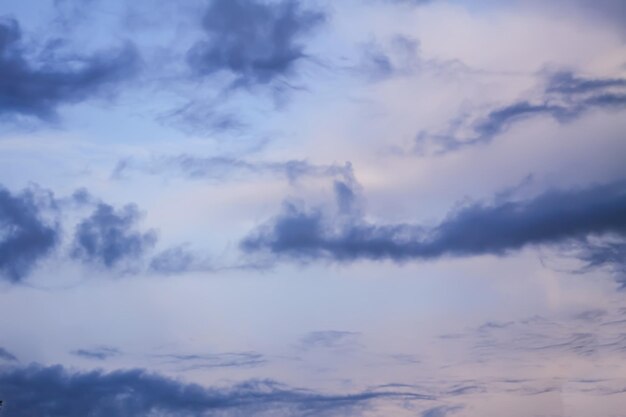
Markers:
{"x": 35, "y": 84}
{"x": 551, "y": 218}
{"x": 108, "y": 237}
{"x": 254, "y": 41}
{"x": 216, "y": 360}
{"x": 55, "y": 392}
{"x": 26, "y": 236}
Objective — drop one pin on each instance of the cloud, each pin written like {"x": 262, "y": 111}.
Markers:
{"x": 99, "y": 353}
{"x": 26, "y": 236}
{"x": 175, "y": 260}
{"x": 254, "y": 41}
{"x": 441, "y": 411}
{"x": 565, "y": 97}
{"x": 591, "y": 333}
{"x": 217, "y": 360}
{"x": 329, "y": 339}
{"x": 108, "y": 237}
{"x": 551, "y": 218}
{"x": 36, "y": 87}
{"x": 55, "y": 392}
{"x": 228, "y": 167}
{"x": 7, "y": 356}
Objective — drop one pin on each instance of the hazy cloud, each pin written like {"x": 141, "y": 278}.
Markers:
{"x": 99, "y": 353}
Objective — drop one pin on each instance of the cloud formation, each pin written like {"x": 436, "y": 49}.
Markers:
{"x": 7, "y": 356}
{"x": 216, "y": 360}
{"x": 230, "y": 167}
{"x": 100, "y": 353}
{"x": 57, "y": 392}
{"x": 330, "y": 339}
{"x": 551, "y": 218}
{"x": 565, "y": 97}
{"x": 26, "y": 237}
{"x": 109, "y": 236}
{"x": 254, "y": 41}
{"x": 37, "y": 86}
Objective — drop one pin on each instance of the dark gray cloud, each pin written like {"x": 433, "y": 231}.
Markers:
{"x": 26, "y": 236}
{"x": 551, "y": 218}
{"x": 7, "y": 356}
{"x": 36, "y": 83}
{"x": 99, "y": 353}
{"x": 57, "y": 392}
{"x": 565, "y": 97}
{"x": 108, "y": 237}
{"x": 253, "y": 40}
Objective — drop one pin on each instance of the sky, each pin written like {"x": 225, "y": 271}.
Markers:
{"x": 290, "y": 208}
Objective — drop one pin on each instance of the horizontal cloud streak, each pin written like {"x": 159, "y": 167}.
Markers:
{"x": 565, "y": 97}
{"x": 100, "y": 353}
{"x": 227, "y": 167}
{"x": 108, "y": 237}
{"x": 477, "y": 229}
{"x": 7, "y": 356}
{"x": 57, "y": 392}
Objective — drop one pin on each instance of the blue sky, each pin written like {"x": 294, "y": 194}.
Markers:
{"x": 297, "y": 208}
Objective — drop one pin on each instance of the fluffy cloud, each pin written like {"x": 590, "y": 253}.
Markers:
{"x": 554, "y": 217}
{"x": 55, "y": 391}
{"x": 37, "y": 87}
{"x": 255, "y": 41}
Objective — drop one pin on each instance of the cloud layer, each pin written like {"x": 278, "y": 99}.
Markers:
{"x": 57, "y": 392}
{"x": 254, "y": 41}
{"x": 554, "y": 217}
{"x": 36, "y": 87}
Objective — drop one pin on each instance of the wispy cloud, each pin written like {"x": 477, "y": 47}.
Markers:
{"x": 565, "y": 97}
{"x": 99, "y": 353}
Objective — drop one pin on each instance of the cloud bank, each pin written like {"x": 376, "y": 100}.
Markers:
{"x": 551, "y": 218}
{"x": 57, "y": 392}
